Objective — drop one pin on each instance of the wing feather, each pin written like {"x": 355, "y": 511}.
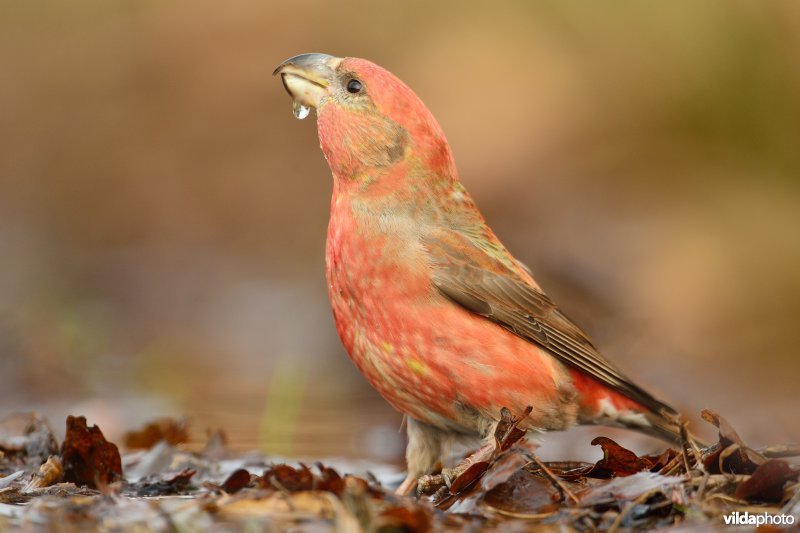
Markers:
{"x": 465, "y": 273}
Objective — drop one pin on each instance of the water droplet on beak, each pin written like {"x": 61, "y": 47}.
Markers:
{"x": 300, "y": 111}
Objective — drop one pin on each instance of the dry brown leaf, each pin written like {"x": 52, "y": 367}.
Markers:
{"x": 238, "y": 480}
{"x": 49, "y": 473}
{"x": 88, "y": 458}
{"x": 166, "y": 429}
{"x": 767, "y": 482}
{"x": 729, "y": 455}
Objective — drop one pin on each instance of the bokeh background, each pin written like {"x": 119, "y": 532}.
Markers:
{"x": 163, "y": 215}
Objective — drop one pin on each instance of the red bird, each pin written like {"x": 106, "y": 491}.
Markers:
{"x": 439, "y": 317}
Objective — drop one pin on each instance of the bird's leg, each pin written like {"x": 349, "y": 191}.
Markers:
{"x": 430, "y": 484}
{"x": 407, "y": 486}
{"x": 500, "y": 436}
{"x": 482, "y": 454}
{"x": 424, "y": 450}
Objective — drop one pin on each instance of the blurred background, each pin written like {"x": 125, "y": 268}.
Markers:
{"x": 163, "y": 215}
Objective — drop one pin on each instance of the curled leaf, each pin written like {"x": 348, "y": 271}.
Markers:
{"x": 730, "y": 454}
{"x": 88, "y": 458}
{"x": 767, "y": 482}
{"x": 167, "y": 429}
{"x": 238, "y": 480}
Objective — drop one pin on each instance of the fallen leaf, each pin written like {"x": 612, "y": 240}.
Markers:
{"x": 329, "y": 480}
{"x": 732, "y": 451}
{"x": 628, "y": 488}
{"x": 88, "y": 458}
{"x": 305, "y": 505}
{"x": 506, "y": 434}
{"x": 166, "y": 484}
{"x": 285, "y": 477}
{"x": 166, "y": 429}
{"x": 657, "y": 462}
{"x": 28, "y": 437}
{"x": 403, "y": 519}
{"x": 161, "y": 458}
{"x": 238, "y": 480}
{"x": 49, "y": 473}
{"x": 767, "y": 482}
{"x": 505, "y": 466}
{"x": 524, "y": 493}
{"x": 7, "y": 480}
{"x": 469, "y": 476}
{"x": 617, "y": 461}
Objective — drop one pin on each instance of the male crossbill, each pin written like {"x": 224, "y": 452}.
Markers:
{"x": 431, "y": 307}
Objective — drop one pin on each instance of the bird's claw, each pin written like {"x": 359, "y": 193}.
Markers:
{"x": 449, "y": 475}
{"x": 431, "y": 483}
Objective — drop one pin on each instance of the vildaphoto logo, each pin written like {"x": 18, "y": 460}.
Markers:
{"x": 751, "y": 519}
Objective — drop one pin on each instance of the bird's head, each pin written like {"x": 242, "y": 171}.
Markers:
{"x": 368, "y": 120}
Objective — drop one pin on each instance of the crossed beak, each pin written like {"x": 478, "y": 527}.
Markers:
{"x": 306, "y": 78}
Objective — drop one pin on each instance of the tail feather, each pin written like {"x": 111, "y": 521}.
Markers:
{"x": 669, "y": 427}
{"x": 665, "y": 424}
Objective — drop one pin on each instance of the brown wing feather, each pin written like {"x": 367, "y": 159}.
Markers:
{"x": 486, "y": 286}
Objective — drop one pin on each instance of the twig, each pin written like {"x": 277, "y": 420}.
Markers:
{"x": 684, "y": 436}
{"x": 523, "y": 516}
{"x": 671, "y": 466}
{"x": 701, "y": 490}
{"x": 724, "y": 497}
{"x": 781, "y": 450}
{"x": 553, "y": 477}
{"x": 794, "y": 500}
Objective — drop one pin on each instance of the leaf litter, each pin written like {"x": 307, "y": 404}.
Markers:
{"x": 155, "y": 485}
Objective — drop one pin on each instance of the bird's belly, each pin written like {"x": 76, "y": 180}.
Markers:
{"x": 429, "y": 357}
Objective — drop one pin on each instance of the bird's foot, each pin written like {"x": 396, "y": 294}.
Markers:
{"x": 506, "y": 434}
{"x": 431, "y": 483}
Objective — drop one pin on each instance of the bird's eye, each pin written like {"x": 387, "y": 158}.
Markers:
{"x": 354, "y": 86}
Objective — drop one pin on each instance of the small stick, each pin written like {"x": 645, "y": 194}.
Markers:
{"x": 724, "y": 497}
{"x": 628, "y": 508}
{"x": 781, "y": 450}
{"x": 523, "y": 516}
{"x": 553, "y": 477}
{"x": 684, "y": 436}
{"x": 700, "y": 491}
{"x": 794, "y": 500}
{"x": 698, "y": 458}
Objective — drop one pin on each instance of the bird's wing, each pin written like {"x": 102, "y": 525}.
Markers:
{"x": 478, "y": 278}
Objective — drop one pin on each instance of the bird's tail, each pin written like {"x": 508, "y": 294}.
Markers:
{"x": 657, "y": 419}
{"x": 668, "y": 425}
